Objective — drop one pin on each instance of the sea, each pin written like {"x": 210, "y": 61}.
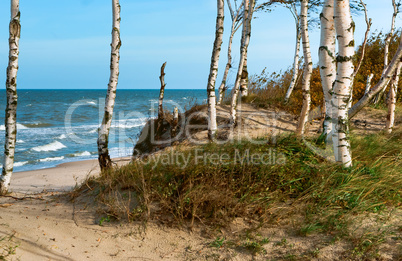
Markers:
{"x": 58, "y": 126}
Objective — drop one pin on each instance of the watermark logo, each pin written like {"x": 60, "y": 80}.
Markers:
{"x": 189, "y": 126}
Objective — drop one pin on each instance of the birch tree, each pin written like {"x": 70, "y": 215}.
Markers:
{"x": 236, "y": 22}
{"x": 342, "y": 93}
{"x": 327, "y": 63}
{"x": 385, "y": 78}
{"x": 366, "y": 34}
{"x": 103, "y": 132}
{"x": 392, "y": 98}
{"x": 292, "y": 84}
{"x": 244, "y": 75}
{"x": 308, "y": 68}
{"x": 212, "y": 126}
{"x": 245, "y": 40}
{"x": 12, "y": 98}
{"x": 386, "y": 47}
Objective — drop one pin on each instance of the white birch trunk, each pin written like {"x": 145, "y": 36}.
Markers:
{"x": 222, "y": 87}
{"x": 389, "y": 36}
{"x": 12, "y": 98}
{"x": 386, "y": 49}
{"x": 103, "y": 132}
{"x": 244, "y": 77}
{"x": 245, "y": 40}
{"x": 295, "y": 64}
{"x": 233, "y": 30}
{"x": 327, "y": 61}
{"x": 368, "y": 24}
{"x": 385, "y": 78}
{"x": 308, "y": 69}
{"x": 368, "y": 83}
{"x": 342, "y": 93}
{"x": 392, "y": 99}
{"x": 212, "y": 125}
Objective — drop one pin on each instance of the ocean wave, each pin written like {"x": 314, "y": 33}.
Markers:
{"x": 128, "y": 126}
{"x": 38, "y": 125}
{"x": 92, "y": 103}
{"x": 80, "y": 154}
{"x": 51, "y": 159}
{"x": 19, "y": 127}
{"x": 19, "y": 164}
{"x": 62, "y": 136}
{"x": 20, "y": 141}
{"x": 129, "y": 123}
{"x": 55, "y": 145}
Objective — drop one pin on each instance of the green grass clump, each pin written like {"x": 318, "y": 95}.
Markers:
{"x": 7, "y": 247}
{"x": 326, "y": 194}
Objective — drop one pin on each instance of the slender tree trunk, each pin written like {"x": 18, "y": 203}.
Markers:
{"x": 308, "y": 69}
{"x": 386, "y": 49}
{"x": 212, "y": 125}
{"x": 342, "y": 93}
{"x": 222, "y": 87}
{"x": 244, "y": 77}
{"x": 12, "y": 98}
{"x": 385, "y": 78}
{"x": 103, "y": 132}
{"x": 162, "y": 92}
{"x": 368, "y": 24}
{"x": 389, "y": 36}
{"x": 175, "y": 123}
{"x": 327, "y": 61}
{"x": 233, "y": 30}
{"x": 368, "y": 83}
{"x": 392, "y": 99}
{"x": 245, "y": 40}
{"x": 295, "y": 62}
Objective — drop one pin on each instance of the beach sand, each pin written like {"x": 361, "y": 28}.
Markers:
{"x": 64, "y": 177}
{"x": 44, "y": 223}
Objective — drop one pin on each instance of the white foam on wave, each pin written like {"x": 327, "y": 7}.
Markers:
{"x": 55, "y": 145}
{"x": 92, "y": 103}
{"x": 20, "y": 141}
{"x": 19, "y": 164}
{"x": 19, "y": 127}
{"x": 130, "y": 123}
{"x": 81, "y": 154}
{"x": 62, "y": 136}
{"x": 93, "y": 131}
{"x": 128, "y": 126}
{"x": 51, "y": 159}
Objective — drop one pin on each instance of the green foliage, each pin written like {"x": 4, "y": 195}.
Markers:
{"x": 218, "y": 242}
{"x": 217, "y": 193}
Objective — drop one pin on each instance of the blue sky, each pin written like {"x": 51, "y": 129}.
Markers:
{"x": 65, "y": 44}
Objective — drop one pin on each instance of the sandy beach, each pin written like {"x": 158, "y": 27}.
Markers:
{"x": 40, "y": 222}
{"x": 61, "y": 178}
